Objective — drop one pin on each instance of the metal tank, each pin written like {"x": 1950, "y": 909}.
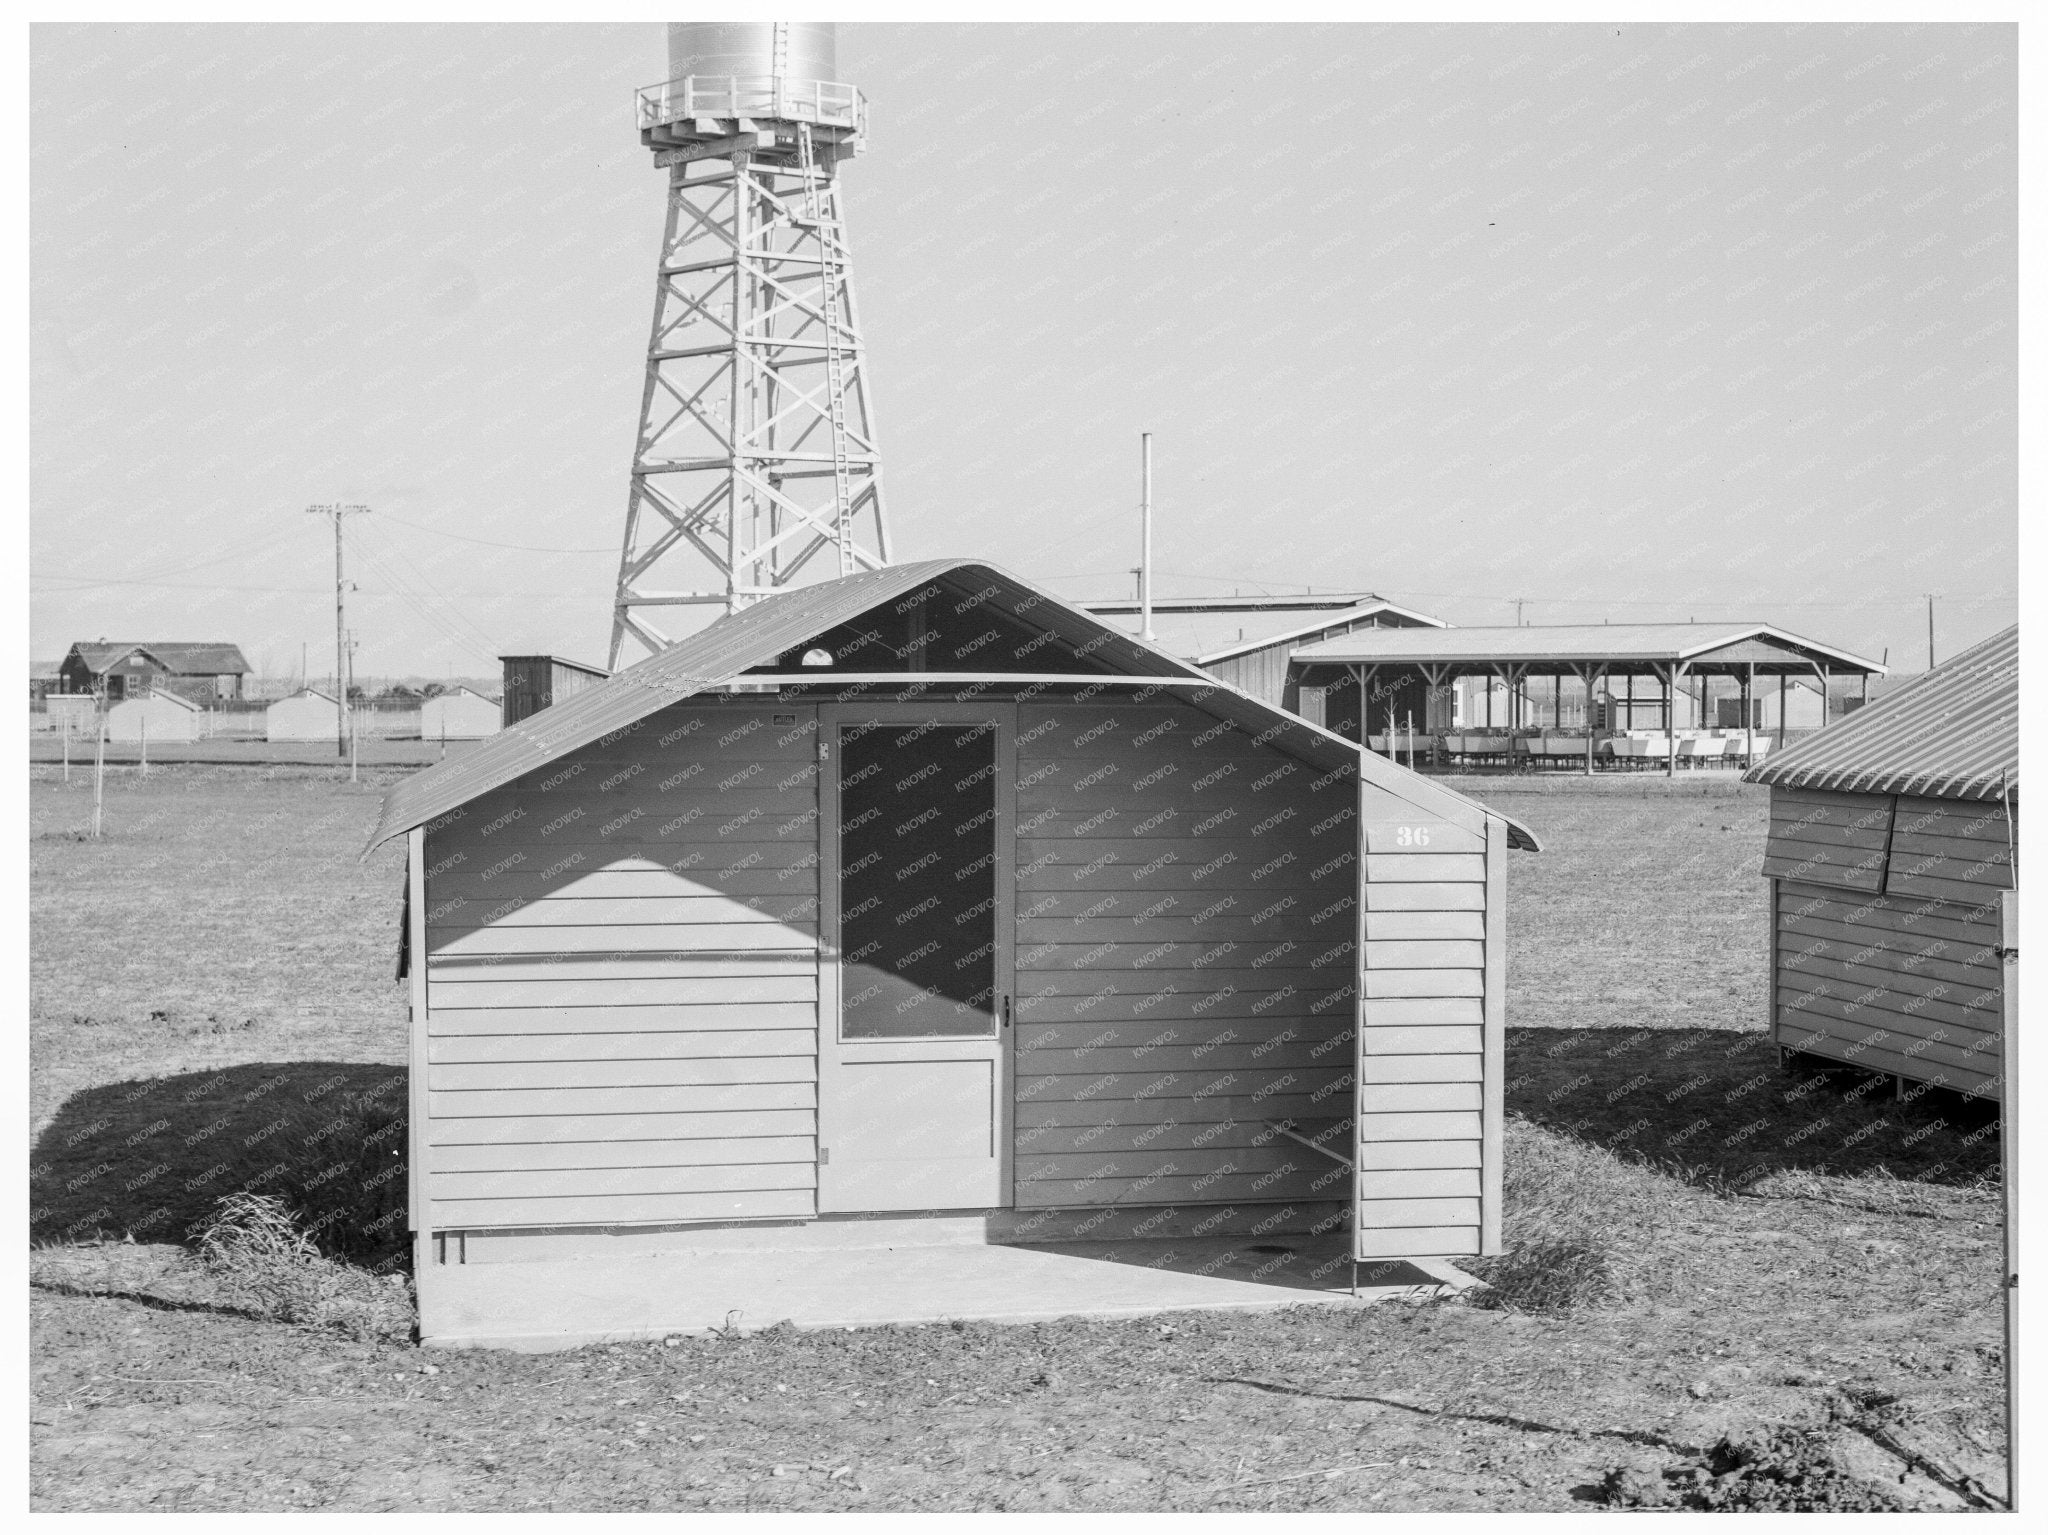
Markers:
{"x": 752, "y": 50}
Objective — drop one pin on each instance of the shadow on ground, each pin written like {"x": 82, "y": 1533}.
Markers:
{"x": 150, "y": 1159}
{"x": 1715, "y": 1106}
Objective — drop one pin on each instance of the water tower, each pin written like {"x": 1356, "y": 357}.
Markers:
{"x": 755, "y": 467}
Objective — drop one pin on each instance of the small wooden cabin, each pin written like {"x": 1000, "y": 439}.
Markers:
{"x": 1893, "y": 839}
{"x": 534, "y": 683}
{"x": 307, "y": 715}
{"x": 155, "y": 717}
{"x": 920, "y": 891}
{"x": 459, "y": 715}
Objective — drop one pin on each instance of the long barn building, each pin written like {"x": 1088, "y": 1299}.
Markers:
{"x": 921, "y": 891}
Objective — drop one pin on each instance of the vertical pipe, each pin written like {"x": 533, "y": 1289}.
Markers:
{"x": 341, "y": 715}
{"x": 99, "y": 778}
{"x": 1145, "y": 535}
{"x": 145, "y": 742}
{"x": 67, "y": 746}
{"x": 1930, "y": 637}
{"x": 2008, "y": 1148}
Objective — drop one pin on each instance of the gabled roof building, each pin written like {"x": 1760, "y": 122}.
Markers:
{"x": 921, "y": 894}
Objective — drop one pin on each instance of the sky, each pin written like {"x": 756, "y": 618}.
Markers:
{"x": 1634, "y": 322}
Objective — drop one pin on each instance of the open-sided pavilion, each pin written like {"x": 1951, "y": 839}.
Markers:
{"x": 1674, "y": 658}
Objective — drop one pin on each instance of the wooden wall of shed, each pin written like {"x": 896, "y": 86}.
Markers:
{"x": 621, "y": 982}
{"x": 1185, "y": 958}
{"x": 1894, "y": 983}
{"x": 1885, "y": 918}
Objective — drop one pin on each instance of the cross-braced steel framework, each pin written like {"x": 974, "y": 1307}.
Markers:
{"x": 756, "y": 466}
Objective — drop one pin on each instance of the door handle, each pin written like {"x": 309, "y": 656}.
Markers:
{"x": 1006, "y": 1012}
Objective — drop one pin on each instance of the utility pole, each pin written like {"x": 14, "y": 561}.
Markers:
{"x": 1518, "y": 611}
{"x": 1145, "y": 536}
{"x": 1930, "y": 631}
{"x": 337, "y": 511}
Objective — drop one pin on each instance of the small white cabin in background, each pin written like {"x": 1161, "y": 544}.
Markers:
{"x": 155, "y": 717}
{"x": 460, "y": 715}
{"x": 308, "y": 715}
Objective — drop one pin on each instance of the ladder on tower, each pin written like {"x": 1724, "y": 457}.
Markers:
{"x": 829, "y": 256}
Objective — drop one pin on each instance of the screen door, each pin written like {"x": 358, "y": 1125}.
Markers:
{"x": 913, "y": 1110}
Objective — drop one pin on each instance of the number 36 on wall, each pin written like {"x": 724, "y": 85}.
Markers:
{"x": 1411, "y": 836}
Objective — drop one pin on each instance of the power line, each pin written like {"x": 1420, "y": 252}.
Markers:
{"x": 424, "y": 586}
{"x": 86, "y": 585}
{"x": 492, "y": 543}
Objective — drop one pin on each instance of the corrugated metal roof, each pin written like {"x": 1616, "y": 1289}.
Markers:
{"x": 721, "y": 652}
{"x": 1566, "y": 643}
{"x": 187, "y": 658}
{"x": 1327, "y": 622}
{"x": 1950, "y": 733}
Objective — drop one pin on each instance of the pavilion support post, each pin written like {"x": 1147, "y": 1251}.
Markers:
{"x": 1780, "y": 743}
{"x": 1748, "y": 724}
{"x": 1433, "y": 676}
{"x": 1671, "y": 720}
{"x": 1820, "y": 670}
{"x": 1587, "y": 674}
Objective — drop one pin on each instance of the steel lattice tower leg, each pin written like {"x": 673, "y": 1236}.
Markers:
{"x": 756, "y": 452}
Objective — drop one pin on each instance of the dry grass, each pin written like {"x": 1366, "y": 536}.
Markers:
{"x": 260, "y": 1256}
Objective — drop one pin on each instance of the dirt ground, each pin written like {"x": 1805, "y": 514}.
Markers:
{"x": 1784, "y": 1249}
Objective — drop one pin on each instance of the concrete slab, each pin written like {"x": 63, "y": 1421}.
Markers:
{"x": 571, "y": 1302}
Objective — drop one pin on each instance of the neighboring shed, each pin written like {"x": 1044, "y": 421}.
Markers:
{"x": 1893, "y": 835}
{"x": 922, "y": 891}
{"x": 534, "y": 683}
{"x": 307, "y": 715}
{"x": 155, "y": 717}
{"x": 459, "y": 715}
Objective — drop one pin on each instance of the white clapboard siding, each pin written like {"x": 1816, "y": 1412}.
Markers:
{"x": 636, "y": 1072}
{"x": 570, "y": 1182}
{"x": 1420, "y": 1140}
{"x": 1462, "y": 1067}
{"x": 525, "y": 1102}
{"x": 1395, "y": 1011}
{"x": 679, "y": 1044}
{"x": 624, "y": 1209}
{"x": 1417, "y": 1241}
{"x": 621, "y": 953}
{"x": 624, "y": 911}
{"x": 1425, "y": 896}
{"x": 1376, "y": 1156}
{"x": 660, "y": 938}
{"x": 562, "y": 1128}
{"x": 1383, "y": 925}
{"x": 654, "y": 1021}
{"x": 1391, "y": 1039}
{"x": 533, "y": 1156}
{"x": 602, "y": 991}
